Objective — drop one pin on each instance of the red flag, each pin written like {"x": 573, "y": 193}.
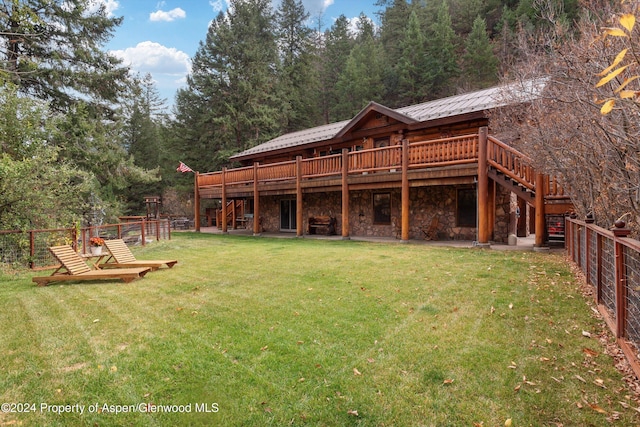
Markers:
{"x": 184, "y": 168}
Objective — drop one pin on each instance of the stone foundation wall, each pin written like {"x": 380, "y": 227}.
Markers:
{"x": 425, "y": 204}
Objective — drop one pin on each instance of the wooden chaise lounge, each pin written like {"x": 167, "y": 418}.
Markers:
{"x": 74, "y": 268}
{"x": 122, "y": 257}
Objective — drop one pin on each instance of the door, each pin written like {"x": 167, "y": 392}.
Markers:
{"x": 288, "y": 215}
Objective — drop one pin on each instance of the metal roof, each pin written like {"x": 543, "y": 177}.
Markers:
{"x": 481, "y": 100}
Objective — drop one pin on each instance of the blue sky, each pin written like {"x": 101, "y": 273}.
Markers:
{"x": 160, "y": 37}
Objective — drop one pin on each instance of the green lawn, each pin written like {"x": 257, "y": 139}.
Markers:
{"x": 250, "y": 331}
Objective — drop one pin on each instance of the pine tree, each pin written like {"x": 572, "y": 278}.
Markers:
{"x": 361, "y": 81}
{"x": 232, "y": 101}
{"x": 479, "y": 62}
{"x": 298, "y": 78}
{"x": 338, "y": 46}
{"x": 412, "y": 86}
{"x": 394, "y": 21}
{"x": 53, "y": 50}
{"x": 441, "y": 55}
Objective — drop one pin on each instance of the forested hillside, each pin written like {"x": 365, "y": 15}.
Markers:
{"x": 83, "y": 138}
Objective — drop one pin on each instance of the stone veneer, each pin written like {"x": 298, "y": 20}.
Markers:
{"x": 425, "y": 203}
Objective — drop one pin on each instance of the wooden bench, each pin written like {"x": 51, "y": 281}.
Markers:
{"x": 325, "y": 223}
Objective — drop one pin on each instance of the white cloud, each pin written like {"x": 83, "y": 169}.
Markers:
{"x": 154, "y": 58}
{"x": 219, "y": 5}
{"x": 110, "y": 6}
{"x": 172, "y": 15}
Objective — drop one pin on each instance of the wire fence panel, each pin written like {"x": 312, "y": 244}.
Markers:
{"x": 31, "y": 248}
{"x": 593, "y": 259}
{"x": 612, "y": 264}
{"x": 608, "y": 278}
{"x": 632, "y": 284}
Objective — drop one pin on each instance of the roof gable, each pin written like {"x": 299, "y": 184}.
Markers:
{"x": 374, "y": 116}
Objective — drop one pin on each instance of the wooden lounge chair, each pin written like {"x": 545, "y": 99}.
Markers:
{"x": 73, "y": 267}
{"x": 122, "y": 257}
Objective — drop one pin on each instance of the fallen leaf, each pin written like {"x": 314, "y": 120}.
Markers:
{"x": 586, "y": 334}
{"x": 510, "y": 306}
{"x": 589, "y": 352}
{"x": 114, "y": 369}
{"x": 264, "y": 348}
{"x": 356, "y": 372}
{"x": 517, "y": 388}
{"x": 581, "y": 379}
{"x": 448, "y": 381}
{"x": 508, "y": 422}
{"x": 597, "y": 408}
{"x": 544, "y": 359}
{"x": 267, "y": 409}
{"x": 352, "y": 412}
{"x": 96, "y": 320}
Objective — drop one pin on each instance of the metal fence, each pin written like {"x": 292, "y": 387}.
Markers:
{"x": 610, "y": 262}
{"x": 30, "y": 248}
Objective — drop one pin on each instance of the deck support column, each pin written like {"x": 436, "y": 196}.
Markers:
{"x": 299, "y": 216}
{"x": 256, "y": 202}
{"x": 196, "y": 203}
{"x": 345, "y": 194}
{"x": 540, "y": 214}
{"x": 483, "y": 189}
{"x": 224, "y": 202}
{"x": 405, "y": 191}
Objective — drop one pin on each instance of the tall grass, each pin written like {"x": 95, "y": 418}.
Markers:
{"x": 259, "y": 331}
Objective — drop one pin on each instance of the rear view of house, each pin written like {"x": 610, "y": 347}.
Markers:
{"x": 426, "y": 171}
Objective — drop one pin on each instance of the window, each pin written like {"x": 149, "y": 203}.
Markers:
{"x": 466, "y": 212}
{"x": 381, "y": 142}
{"x": 382, "y": 208}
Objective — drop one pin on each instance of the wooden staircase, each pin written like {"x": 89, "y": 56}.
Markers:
{"x": 235, "y": 215}
{"x": 513, "y": 170}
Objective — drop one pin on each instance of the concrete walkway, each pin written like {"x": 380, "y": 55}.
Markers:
{"x": 524, "y": 243}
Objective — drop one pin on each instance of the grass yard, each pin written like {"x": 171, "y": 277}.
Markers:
{"x": 250, "y": 331}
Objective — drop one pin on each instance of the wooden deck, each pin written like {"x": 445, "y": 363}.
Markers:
{"x": 435, "y": 162}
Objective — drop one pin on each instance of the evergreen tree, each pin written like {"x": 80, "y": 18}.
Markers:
{"x": 298, "y": 79}
{"x": 232, "y": 102}
{"x": 53, "y": 50}
{"x": 361, "y": 80}
{"x": 412, "y": 66}
{"x": 479, "y": 62}
{"x": 394, "y": 21}
{"x": 441, "y": 55}
{"x": 336, "y": 52}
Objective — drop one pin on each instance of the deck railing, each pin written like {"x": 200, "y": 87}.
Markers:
{"x": 519, "y": 167}
{"x": 30, "y": 248}
{"x": 611, "y": 265}
{"x": 441, "y": 152}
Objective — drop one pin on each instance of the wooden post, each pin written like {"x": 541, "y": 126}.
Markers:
{"x": 234, "y": 215}
{"x": 224, "y": 201}
{"x": 196, "y": 202}
{"x": 540, "y": 214}
{"x": 256, "y": 202}
{"x": 619, "y": 231}
{"x": 483, "y": 189}
{"x": 299, "y": 206}
{"x": 345, "y": 193}
{"x": 143, "y": 237}
{"x": 405, "y": 192}
{"x": 521, "y": 222}
{"x": 491, "y": 211}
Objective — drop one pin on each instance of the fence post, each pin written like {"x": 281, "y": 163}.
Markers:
{"x": 621, "y": 280}
{"x": 142, "y": 234}
{"x": 32, "y": 249}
